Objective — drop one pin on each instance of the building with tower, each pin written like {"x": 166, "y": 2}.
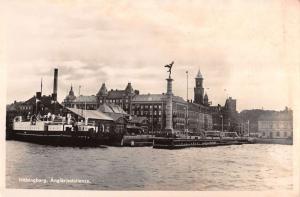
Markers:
{"x": 194, "y": 116}
{"x": 122, "y": 98}
{"x": 70, "y": 98}
{"x": 186, "y": 115}
{"x": 200, "y": 97}
{"x": 199, "y": 90}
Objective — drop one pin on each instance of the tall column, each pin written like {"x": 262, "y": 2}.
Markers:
{"x": 169, "y": 111}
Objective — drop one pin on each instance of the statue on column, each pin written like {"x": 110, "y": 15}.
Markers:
{"x": 170, "y": 68}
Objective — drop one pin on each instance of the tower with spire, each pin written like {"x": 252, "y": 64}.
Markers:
{"x": 70, "y": 98}
{"x": 199, "y": 90}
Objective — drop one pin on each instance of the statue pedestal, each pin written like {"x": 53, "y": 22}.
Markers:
{"x": 169, "y": 110}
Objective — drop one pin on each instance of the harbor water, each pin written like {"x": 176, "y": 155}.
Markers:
{"x": 236, "y": 167}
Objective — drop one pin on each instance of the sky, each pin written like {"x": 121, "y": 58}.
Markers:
{"x": 244, "y": 49}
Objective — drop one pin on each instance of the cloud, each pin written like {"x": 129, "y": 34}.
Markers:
{"x": 236, "y": 44}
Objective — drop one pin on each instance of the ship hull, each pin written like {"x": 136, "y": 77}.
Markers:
{"x": 59, "y": 138}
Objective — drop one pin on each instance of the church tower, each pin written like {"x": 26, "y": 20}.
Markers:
{"x": 199, "y": 90}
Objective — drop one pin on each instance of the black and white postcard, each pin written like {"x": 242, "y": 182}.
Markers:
{"x": 152, "y": 98}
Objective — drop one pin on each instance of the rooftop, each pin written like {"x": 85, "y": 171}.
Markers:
{"x": 87, "y": 99}
{"x": 155, "y": 98}
{"x": 277, "y": 116}
{"x": 91, "y": 114}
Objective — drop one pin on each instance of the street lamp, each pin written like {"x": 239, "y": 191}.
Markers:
{"x": 222, "y": 122}
{"x": 187, "y": 99}
{"x": 248, "y": 128}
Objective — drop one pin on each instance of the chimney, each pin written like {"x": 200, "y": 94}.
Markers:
{"x": 38, "y": 95}
{"x": 55, "y": 84}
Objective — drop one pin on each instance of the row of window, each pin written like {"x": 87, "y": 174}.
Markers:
{"x": 25, "y": 107}
{"x": 88, "y": 106}
{"x": 142, "y": 113}
{"x": 277, "y": 134}
{"x": 272, "y": 124}
{"x": 117, "y": 101}
{"x": 146, "y": 106}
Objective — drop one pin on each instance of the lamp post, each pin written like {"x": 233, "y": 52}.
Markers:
{"x": 152, "y": 118}
{"x": 187, "y": 99}
{"x": 222, "y": 122}
{"x": 248, "y": 128}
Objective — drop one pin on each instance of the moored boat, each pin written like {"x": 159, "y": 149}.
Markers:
{"x": 57, "y": 133}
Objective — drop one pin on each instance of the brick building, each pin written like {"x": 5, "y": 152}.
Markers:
{"x": 122, "y": 98}
{"x": 153, "y": 107}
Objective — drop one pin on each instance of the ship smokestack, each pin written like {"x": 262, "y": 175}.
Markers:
{"x": 55, "y": 84}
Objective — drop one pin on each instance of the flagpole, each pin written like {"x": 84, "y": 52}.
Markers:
{"x": 187, "y": 99}
{"x": 42, "y": 86}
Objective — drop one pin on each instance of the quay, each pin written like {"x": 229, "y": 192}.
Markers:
{"x": 283, "y": 141}
{"x": 137, "y": 141}
{"x": 177, "y": 143}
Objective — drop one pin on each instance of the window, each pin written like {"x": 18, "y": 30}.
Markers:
{"x": 277, "y": 134}
{"x": 285, "y": 134}
{"x": 159, "y": 106}
{"x": 150, "y": 106}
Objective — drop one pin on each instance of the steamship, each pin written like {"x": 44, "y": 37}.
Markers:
{"x": 49, "y": 123}
{"x": 56, "y": 132}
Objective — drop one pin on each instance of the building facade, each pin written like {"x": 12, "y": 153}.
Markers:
{"x": 226, "y": 118}
{"x": 122, "y": 98}
{"x": 186, "y": 115}
{"x": 192, "y": 116}
{"x": 276, "y": 124}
